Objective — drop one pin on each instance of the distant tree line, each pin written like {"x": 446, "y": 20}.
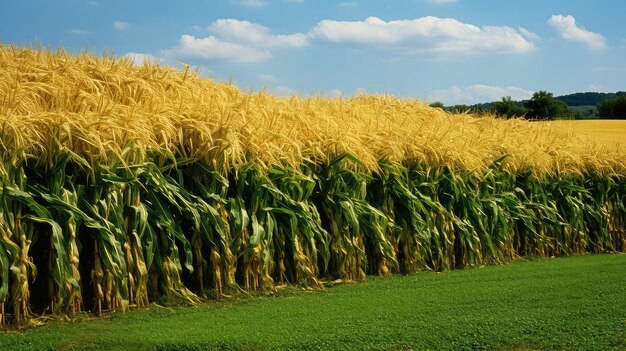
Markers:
{"x": 613, "y": 108}
{"x": 588, "y": 99}
{"x": 543, "y": 105}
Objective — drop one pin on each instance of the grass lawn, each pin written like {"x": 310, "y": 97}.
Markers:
{"x": 575, "y": 303}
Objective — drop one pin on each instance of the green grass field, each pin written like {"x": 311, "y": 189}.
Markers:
{"x": 570, "y": 303}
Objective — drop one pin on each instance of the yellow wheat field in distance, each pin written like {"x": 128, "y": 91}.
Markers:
{"x": 99, "y": 105}
{"x": 603, "y": 132}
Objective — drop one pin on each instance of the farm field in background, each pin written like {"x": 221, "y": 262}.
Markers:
{"x": 605, "y": 132}
{"x": 127, "y": 185}
{"x": 573, "y": 303}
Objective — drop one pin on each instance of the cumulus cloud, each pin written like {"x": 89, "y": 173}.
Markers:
{"x": 424, "y": 34}
{"x": 203, "y": 71}
{"x": 282, "y": 90}
{"x": 235, "y": 41}
{"x": 214, "y": 49}
{"x": 528, "y": 34}
{"x": 245, "y": 42}
{"x": 236, "y": 31}
{"x": 139, "y": 58}
{"x": 478, "y": 93}
{"x": 120, "y": 25}
{"x": 596, "y": 88}
{"x": 566, "y": 25}
{"x": 360, "y": 91}
{"x": 335, "y": 93}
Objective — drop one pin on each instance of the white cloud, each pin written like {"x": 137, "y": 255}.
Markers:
{"x": 569, "y": 30}
{"x": 79, "y": 32}
{"x": 251, "y": 3}
{"x": 214, "y": 49}
{"x": 203, "y": 71}
{"x": 282, "y": 90}
{"x": 267, "y": 78}
{"x": 120, "y": 25}
{"x": 528, "y": 34}
{"x": 196, "y": 28}
{"x": 245, "y": 42}
{"x": 440, "y": 2}
{"x": 235, "y": 41}
{"x": 335, "y": 93}
{"x": 360, "y": 91}
{"x": 425, "y": 34}
{"x": 139, "y": 59}
{"x": 596, "y": 87}
{"x": 477, "y": 93}
{"x": 236, "y": 31}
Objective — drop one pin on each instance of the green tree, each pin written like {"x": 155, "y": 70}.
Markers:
{"x": 543, "y": 105}
{"x": 613, "y": 108}
{"x": 507, "y": 108}
{"x": 460, "y": 108}
{"x": 437, "y": 105}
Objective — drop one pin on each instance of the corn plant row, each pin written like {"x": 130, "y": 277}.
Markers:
{"x": 123, "y": 185}
{"x": 77, "y": 236}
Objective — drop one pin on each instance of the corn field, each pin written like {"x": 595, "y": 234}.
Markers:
{"x": 124, "y": 185}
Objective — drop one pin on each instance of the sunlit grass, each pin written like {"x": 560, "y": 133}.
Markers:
{"x": 559, "y": 304}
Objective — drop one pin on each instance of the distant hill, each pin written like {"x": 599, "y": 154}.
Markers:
{"x": 587, "y": 99}
{"x": 580, "y": 101}
{"x": 580, "y": 105}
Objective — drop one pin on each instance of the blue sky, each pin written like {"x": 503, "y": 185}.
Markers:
{"x": 455, "y": 51}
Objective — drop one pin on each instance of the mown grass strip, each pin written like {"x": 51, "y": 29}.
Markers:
{"x": 565, "y": 303}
